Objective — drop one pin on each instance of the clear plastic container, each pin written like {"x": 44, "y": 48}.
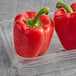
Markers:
{"x": 54, "y": 56}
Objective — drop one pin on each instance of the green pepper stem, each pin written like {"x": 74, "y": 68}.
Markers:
{"x": 44, "y": 10}
{"x": 64, "y": 5}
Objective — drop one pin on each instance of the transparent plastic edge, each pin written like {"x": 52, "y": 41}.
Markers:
{"x": 6, "y": 43}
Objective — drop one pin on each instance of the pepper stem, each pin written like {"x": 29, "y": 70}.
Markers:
{"x": 44, "y": 10}
{"x": 36, "y": 22}
{"x": 64, "y": 5}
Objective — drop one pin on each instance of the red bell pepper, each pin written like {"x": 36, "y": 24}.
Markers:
{"x": 73, "y": 6}
{"x": 32, "y": 33}
{"x": 65, "y": 25}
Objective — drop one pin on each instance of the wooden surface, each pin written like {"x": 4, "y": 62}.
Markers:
{"x": 8, "y": 10}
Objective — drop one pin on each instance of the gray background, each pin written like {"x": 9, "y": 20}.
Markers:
{"x": 8, "y": 10}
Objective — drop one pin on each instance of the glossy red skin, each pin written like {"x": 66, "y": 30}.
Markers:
{"x": 73, "y": 6}
{"x": 65, "y": 26}
{"x": 32, "y": 42}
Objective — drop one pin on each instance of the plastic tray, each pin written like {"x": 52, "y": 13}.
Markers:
{"x": 54, "y": 55}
